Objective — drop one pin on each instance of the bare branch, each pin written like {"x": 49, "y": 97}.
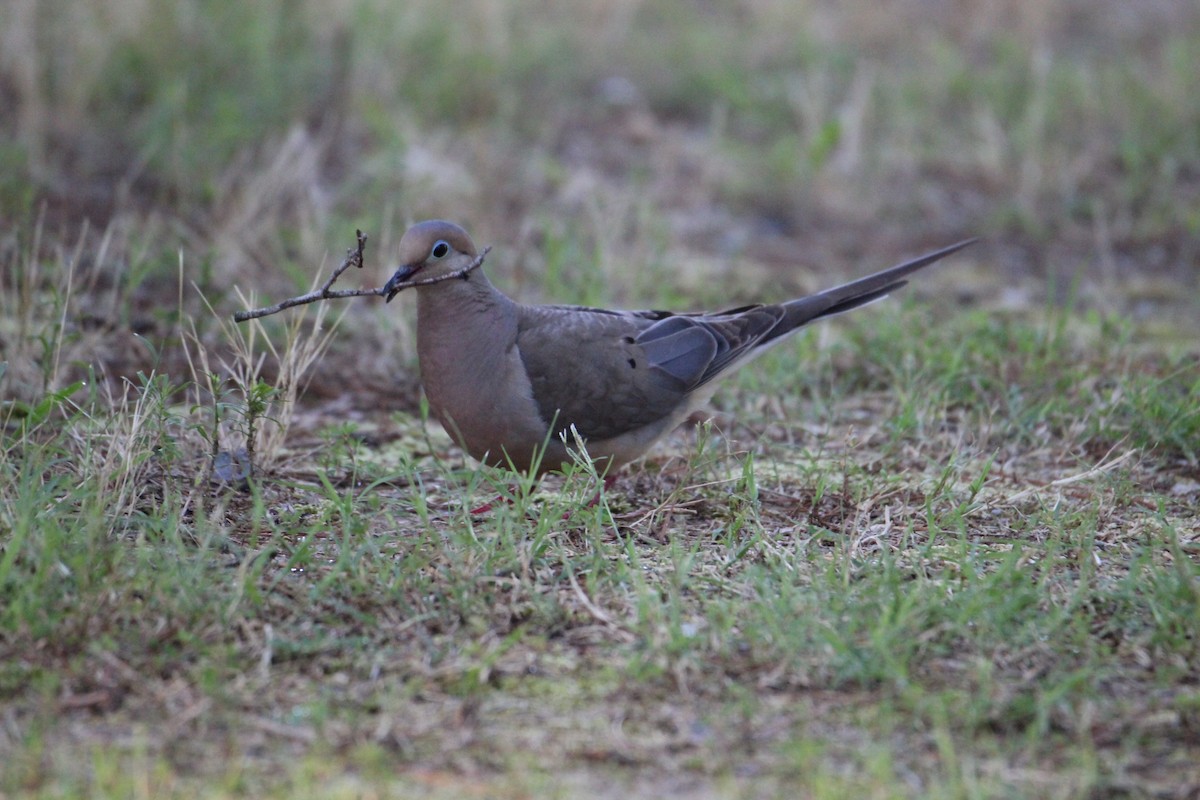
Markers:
{"x": 354, "y": 258}
{"x": 449, "y": 276}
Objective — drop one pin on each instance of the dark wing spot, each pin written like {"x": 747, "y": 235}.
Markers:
{"x": 632, "y": 363}
{"x": 627, "y": 339}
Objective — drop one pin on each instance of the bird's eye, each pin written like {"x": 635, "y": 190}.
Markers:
{"x": 440, "y": 249}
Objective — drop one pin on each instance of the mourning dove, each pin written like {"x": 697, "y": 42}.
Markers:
{"x": 518, "y": 385}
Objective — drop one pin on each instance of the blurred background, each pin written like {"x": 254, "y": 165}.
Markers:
{"x": 626, "y": 152}
{"x": 942, "y": 548}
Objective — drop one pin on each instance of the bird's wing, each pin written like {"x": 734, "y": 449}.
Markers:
{"x": 608, "y": 373}
{"x": 589, "y": 368}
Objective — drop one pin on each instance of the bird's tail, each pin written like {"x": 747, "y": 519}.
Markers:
{"x": 860, "y": 292}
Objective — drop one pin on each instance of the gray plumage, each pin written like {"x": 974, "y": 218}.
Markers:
{"x": 509, "y": 380}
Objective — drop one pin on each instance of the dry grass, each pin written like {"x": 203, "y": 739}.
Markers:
{"x": 947, "y": 547}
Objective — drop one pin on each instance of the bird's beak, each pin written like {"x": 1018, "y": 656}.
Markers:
{"x": 394, "y": 284}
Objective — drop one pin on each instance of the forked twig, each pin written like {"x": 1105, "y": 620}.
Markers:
{"x": 354, "y": 258}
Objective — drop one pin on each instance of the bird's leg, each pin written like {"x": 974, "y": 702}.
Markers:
{"x": 488, "y": 506}
{"x": 609, "y": 480}
{"x": 500, "y": 498}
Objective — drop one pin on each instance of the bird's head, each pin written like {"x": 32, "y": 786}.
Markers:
{"x": 433, "y": 248}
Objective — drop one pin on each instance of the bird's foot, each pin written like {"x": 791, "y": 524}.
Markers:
{"x": 609, "y": 480}
{"x": 488, "y": 506}
{"x": 502, "y": 499}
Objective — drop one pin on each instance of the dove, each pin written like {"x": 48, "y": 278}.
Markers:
{"x": 521, "y": 386}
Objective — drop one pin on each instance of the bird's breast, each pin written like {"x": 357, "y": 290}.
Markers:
{"x": 477, "y": 387}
